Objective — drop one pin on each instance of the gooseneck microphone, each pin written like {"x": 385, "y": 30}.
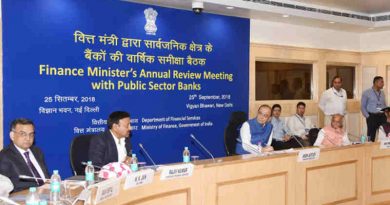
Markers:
{"x": 295, "y": 138}
{"x": 147, "y": 154}
{"x": 203, "y": 147}
{"x": 250, "y": 147}
{"x": 94, "y": 166}
{"x": 7, "y": 201}
{"x": 33, "y": 178}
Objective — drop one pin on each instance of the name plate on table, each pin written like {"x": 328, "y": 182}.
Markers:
{"x": 177, "y": 171}
{"x": 107, "y": 189}
{"x": 308, "y": 154}
{"x": 385, "y": 144}
{"x": 139, "y": 178}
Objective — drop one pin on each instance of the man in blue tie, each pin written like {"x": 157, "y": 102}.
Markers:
{"x": 21, "y": 157}
{"x": 256, "y": 133}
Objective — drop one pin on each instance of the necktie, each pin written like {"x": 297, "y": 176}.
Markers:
{"x": 33, "y": 169}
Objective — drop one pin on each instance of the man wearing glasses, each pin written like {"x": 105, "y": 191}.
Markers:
{"x": 256, "y": 133}
{"x": 333, "y": 135}
{"x": 21, "y": 157}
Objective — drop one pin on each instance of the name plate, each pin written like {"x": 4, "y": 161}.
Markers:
{"x": 308, "y": 154}
{"x": 106, "y": 190}
{"x": 139, "y": 178}
{"x": 177, "y": 171}
{"x": 385, "y": 144}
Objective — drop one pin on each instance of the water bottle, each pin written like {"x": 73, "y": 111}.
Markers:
{"x": 43, "y": 202}
{"x": 186, "y": 155}
{"x": 89, "y": 173}
{"x": 134, "y": 163}
{"x": 33, "y": 197}
{"x": 363, "y": 139}
{"x": 55, "y": 187}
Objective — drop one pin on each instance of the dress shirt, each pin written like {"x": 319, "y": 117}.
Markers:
{"x": 372, "y": 101}
{"x": 120, "y": 147}
{"x": 298, "y": 125}
{"x": 279, "y": 128}
{"x": 245, "y": 134}
{"x": 33, "y": 161}
{"x": 321, "y": 136}
{"x": 333, "y": 101}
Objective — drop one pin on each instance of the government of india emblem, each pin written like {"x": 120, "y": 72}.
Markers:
{"x": 150, "y": 17}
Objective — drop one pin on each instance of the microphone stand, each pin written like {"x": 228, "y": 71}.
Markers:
{"x": 147, "y": 154}
{"x": 203, "y": 147}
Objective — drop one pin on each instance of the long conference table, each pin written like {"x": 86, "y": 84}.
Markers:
{"x": 356, "y": 174}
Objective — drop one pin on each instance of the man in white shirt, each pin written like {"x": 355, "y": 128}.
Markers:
{"x": 21, "y": 157}
{"x": 299, "y": 125}
{"x": 334, "y": 101}
{"x": 333, "y": 135}
{"x": 114, "y": 144}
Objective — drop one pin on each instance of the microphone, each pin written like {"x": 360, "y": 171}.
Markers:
{"x": 295, "y": 138}
{"x": 203, "y": 147}
{"x": 250, "y": 147}
{"x": 8, "y": 201}
{"x": 33, "y": 178}
{"x": 147, "y": 154}
{"x": 94, "y": 166}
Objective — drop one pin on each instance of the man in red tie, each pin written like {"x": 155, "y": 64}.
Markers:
{"x": 21, "y": 157}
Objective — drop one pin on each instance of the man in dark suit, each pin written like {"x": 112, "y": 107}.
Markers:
{"x": 114, "y": 144}
{"x": 21, "y": 157}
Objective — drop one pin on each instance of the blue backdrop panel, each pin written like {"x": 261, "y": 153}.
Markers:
{"x": 200, "y": 65}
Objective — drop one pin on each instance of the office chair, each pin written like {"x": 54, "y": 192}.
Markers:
{"x": 79, "y": 149}
{"x": 232, "y": 131}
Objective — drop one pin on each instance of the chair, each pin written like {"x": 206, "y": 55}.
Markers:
{"x": 232, "y": 131}
{"x": 313, "y": 133}
{"x": 79, "y": 149}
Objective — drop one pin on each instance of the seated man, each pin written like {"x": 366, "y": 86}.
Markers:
{"x": 299, "y": 125}
{"x": 114, "y": 144}
{"x": 21, "y": 157}
{"x": 256, "y": 133}
{"x": 280, "y": 138}
{"x": 6, "y": 186}
{"x": 333, "y": 135}
{"x": 384, "y": 129}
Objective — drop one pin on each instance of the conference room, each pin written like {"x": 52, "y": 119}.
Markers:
{"x": 195, "y": 102}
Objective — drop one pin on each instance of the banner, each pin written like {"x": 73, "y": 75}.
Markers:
{"x": 68, "y": 64}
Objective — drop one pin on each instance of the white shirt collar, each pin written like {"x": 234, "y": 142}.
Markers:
{"x": 22, "y": 151}
{"x": 120, "y": 141}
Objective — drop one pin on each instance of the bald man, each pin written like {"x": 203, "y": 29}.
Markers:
{"x": 333, "y": 135}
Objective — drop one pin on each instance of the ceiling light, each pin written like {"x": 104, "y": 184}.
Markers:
{"x": 286, "y": 16}
{"x": 331, "y": 22}
{"x": 230, "y": 7}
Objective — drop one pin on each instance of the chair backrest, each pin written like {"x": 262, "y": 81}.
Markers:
{"x": 79, "y": 149}
{"x": 232, "y": 131}
{"x": 313, "y": 133}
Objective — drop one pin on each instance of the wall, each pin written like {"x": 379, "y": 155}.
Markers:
{"x": 369, "y": 52}
{"x": 266, "y": 32}
{"x": 319, "y": 58}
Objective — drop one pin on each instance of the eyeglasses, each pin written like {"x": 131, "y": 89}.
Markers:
{"x": 264, "y": 115}
{"x": 24, "y": 134}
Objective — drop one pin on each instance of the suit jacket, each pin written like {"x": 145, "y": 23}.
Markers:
{"x": 102, "y": 149}
{"x": 12, "y": 164}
